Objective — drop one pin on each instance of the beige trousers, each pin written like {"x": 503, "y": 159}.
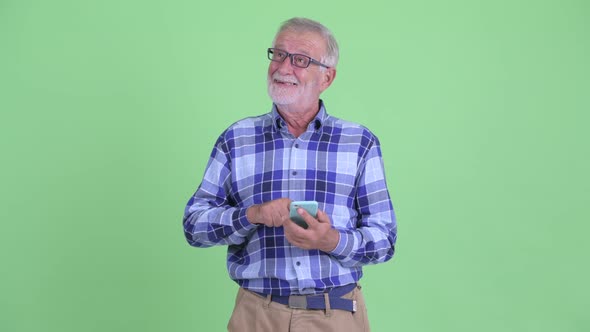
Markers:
{"x": 254, "y": 313}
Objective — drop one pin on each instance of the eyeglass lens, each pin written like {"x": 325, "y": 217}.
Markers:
{"x": 298, "y": 60}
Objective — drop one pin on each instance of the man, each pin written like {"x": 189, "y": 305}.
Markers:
{"x": 292, "y": 278}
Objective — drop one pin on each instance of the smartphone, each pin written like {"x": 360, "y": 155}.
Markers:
{"x": 310, "y": 206}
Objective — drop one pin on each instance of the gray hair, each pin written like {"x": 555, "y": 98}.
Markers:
{"x": 300, "y": 24}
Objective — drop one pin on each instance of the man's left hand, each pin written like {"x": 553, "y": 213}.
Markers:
{"x": 318, "y": 235}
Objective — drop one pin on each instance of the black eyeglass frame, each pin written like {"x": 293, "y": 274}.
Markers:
{"x": 271, "y": 51}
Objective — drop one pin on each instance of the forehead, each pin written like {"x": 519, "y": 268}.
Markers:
{"x": 301, "y": 42}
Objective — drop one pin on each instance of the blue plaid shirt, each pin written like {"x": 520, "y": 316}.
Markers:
{"x": 335, "y": 162}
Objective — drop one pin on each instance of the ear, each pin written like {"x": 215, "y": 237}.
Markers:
{"x": 328, "y": 77}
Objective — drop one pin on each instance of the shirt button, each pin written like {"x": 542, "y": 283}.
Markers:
{"x": 298, "y": 263}
{"x": 296, "y": 146}
{"x": 294, "y": 173}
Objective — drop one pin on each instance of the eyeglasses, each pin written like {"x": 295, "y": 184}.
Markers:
{"x": 297, "y": 60}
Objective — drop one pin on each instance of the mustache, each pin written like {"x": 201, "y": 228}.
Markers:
{"x": 284, "y": 79}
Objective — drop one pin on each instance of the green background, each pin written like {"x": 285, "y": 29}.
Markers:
{"x": 109, "y": 110}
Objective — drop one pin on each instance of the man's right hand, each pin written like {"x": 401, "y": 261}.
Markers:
{"x": 272, "y": 213}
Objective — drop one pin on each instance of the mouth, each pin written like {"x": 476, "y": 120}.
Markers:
{"x": 286, "y": 83}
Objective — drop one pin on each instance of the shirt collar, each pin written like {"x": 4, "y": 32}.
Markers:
{"x": 319, "y": 120}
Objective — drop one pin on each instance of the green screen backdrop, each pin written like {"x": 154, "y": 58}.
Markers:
{"x": 109, "y": 110}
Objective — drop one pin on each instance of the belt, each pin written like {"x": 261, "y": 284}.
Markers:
{"x": 318, "y": 301}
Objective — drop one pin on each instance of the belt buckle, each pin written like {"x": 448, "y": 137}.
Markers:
{"x": 297, "y": 302}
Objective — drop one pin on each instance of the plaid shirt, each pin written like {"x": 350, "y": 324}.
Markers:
{"x": 335, "y": 162}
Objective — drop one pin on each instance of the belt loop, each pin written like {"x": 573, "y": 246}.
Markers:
{"x": 327, "y": 302}
{"x": 267, "y": 301}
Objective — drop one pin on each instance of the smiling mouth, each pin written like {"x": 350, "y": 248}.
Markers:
{"x": 284, "y": 83}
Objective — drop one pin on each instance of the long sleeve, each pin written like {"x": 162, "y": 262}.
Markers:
{"x": 212, "y": 217}
{"x": 374, "y": 239}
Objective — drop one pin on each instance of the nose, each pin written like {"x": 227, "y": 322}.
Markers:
{"x": 285, "y": 67}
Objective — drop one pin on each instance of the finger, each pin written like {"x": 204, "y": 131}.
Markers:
{"x": 293, "y": 227}
{"x": 284, "y": 203}
{"x": 323, "y": 217}
{"x": 293, "y": 232}
{"x": 281, "y": 220}
{"x": 287, "y": 227}
{"x": 309, "y": 219}
{"x": 284, "y": 207}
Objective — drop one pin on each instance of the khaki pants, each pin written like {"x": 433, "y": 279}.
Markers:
{"x": 254, "y": 313}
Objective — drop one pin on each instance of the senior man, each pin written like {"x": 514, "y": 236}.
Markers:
{"x": 293, "y": 278}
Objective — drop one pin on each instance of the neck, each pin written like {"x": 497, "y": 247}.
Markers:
{"x": 298, "y": 118}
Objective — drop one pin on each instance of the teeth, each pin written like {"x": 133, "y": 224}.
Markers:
{"x": 290, "y": 83}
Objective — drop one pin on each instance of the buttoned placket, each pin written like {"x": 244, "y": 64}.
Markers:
{"x": 297, "y": 168}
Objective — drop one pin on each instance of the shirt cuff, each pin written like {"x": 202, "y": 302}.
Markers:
{"x": 241, "y": 223}
{"x": 345, "y": 244}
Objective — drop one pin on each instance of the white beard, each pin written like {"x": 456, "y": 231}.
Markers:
{"x": 289, "y": 94}
{"x": 283, "y": 95}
